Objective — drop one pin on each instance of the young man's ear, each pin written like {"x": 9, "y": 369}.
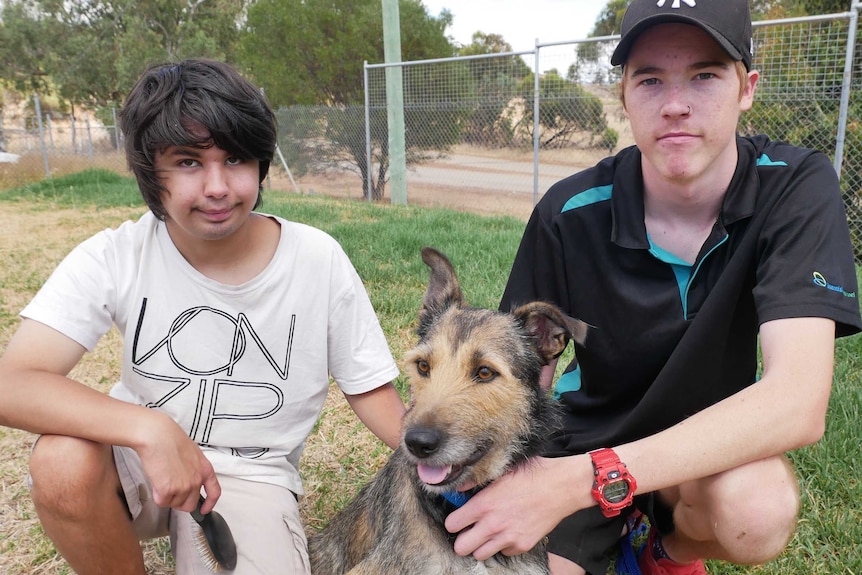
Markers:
{"x": 746, "y": 99}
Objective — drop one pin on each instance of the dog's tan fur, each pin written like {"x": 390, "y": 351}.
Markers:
{"x": 476, "y": 411}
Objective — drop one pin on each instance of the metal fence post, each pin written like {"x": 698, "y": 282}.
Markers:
{"x": 73, "y": 128}
{"x": 394, "y": 103}
{"x": 845, "y": 86}
{"x": 50, "y": 131}
{"x": 89, "y": 138}
{"x": 368, "y": 178}
{"x": 116, "y": 128}
{"x": 38, "y": 106}
{"x": 536, "y": 126}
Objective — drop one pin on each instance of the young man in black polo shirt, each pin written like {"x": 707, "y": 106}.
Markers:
{"x": 680, "y": 252}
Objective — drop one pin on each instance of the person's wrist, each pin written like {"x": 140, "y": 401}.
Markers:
{"x": 572, "y": 476}
{"x": 148, "y": 428}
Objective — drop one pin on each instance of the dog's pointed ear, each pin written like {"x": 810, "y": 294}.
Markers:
{"x": 551, "y": 328}
{"x": 443, "y": 290}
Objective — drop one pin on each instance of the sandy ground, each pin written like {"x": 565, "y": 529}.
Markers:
{"x": 487, "y": 184}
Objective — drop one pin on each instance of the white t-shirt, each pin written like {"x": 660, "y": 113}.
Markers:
{"x": 244, "y": 369}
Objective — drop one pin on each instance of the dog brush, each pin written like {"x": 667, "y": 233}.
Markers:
{"x": 215, "y": 543}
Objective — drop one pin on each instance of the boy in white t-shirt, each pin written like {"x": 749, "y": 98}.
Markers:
{"x": 232, "y": 323}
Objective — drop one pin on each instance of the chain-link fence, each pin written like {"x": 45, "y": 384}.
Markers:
{"x": 482, "y": 110}
{"x": 59, "y": 134}
{"x": 471, "y": 135}
{"x": 37, "y": 146}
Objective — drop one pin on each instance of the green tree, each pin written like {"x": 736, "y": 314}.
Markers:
{"x": 486, "y": 44}
{"x": 111, "y": 42}
{"x": 566, "y": 109}
{"x": 92, "y": 51}
{"x": 311, "y": 53}
{"x": 774, "y": 9}
{"x": 610, "y": 18}
{"x": 494, "y": 85}
{"x": 24, "y": 52}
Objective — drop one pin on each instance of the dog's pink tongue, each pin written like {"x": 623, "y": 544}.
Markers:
{"x": 433, "y": 475}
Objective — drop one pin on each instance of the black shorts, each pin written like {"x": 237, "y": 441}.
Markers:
{"x": 589, "y": 539}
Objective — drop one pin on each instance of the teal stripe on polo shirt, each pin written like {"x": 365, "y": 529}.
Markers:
{"x": 588, "y": 197}
{"x": 681, "y": 270}
{"x": 765, "y": 160}
{"x": 570, "y": 381}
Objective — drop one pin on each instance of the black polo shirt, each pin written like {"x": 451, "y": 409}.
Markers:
{"x": 668, "y": 338}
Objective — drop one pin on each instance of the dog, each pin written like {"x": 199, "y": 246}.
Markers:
{"x": 476, "y": 411}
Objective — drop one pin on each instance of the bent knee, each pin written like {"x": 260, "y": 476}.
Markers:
{"x": 757, "y": 511}
{"x": 761, "y": 529}
{"x": 65, "y": 471}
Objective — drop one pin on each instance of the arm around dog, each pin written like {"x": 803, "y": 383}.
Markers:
{"x": 381, "y": 411}
{"x": 785, "y": 410}
{"x": 514, "y": 513}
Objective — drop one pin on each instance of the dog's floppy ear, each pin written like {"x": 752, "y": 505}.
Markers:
{"x": 551, "y": 327}
{"x": 443, "y": 290}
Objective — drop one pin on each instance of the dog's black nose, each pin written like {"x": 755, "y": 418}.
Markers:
{"x": 422, "y": 442}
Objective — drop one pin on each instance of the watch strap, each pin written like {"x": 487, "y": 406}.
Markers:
{"x": 604, "y": 457}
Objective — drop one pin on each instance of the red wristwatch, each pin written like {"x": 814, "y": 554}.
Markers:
{"x": 614, "y": 487}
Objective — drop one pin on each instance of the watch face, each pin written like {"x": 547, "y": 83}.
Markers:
{"x": 616, "y": 491}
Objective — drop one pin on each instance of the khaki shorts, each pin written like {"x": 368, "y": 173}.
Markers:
{"x": 263, "y": 518}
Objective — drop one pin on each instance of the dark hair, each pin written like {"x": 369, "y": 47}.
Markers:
{"x": 171, "y": 103}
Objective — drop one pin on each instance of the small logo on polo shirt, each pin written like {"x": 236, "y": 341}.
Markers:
{"x": 820, "y": 280}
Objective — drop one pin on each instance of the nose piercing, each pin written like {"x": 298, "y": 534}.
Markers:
{"x": 689, "y": 110}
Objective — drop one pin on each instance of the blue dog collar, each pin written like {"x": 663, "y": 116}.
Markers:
{"x": 456, "y": 498}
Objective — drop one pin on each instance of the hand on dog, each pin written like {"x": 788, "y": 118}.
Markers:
{"x": 514, "y": 513}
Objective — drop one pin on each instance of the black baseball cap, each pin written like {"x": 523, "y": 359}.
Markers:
{"x": 728, "y": 22}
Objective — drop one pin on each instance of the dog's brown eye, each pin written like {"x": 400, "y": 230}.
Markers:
{"x": 485, "y": 373}
{"x": 422, "y": 367}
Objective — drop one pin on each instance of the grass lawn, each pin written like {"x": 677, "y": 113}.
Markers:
{"x": 43, "y": 221}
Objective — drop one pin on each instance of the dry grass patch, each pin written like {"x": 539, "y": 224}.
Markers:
{"x": 340, "y": 454}
{"x": 30, "y": 167}
{"x": 33, "y": 240}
